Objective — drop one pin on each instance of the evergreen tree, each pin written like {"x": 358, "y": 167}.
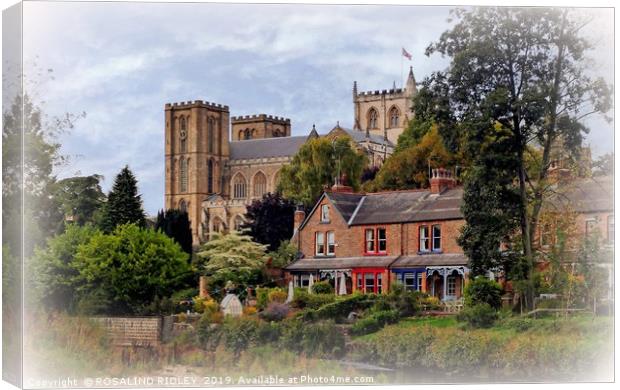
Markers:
{"x": 175, "y": 224}
{"x": 270, "y": 220}
{"x": 124, "y": 203}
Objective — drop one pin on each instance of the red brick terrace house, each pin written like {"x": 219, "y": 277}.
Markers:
{"x": 408, "y": 236}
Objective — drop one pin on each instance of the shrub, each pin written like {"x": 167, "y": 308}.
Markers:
{"x": 322, "y": 288}
{"x": 277, "y": 295}
{"x": 268, "y": 332}
{"x": 239, "y": 334}
{"x": 211, "y": 312}
{"x": 481, "y": 315}
{"x": 430, "y": 302}
{"x": 275, "y": 311}
{"x": 302, "y": 299}
{"x": 186, "y": 294}
{"x": 374, "y": 322}
{"x": 520, "y": 324}
{"x": 209, "y": 334}
{"x": 407, "y": 303}
{"x": 341, "y": 307}
{"x": 483, "y": 290}
{"x": 249, "y": 311}
{"x": 201, "y": 305}
{"x": 262, "y": 298}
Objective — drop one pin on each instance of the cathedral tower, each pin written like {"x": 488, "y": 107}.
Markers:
{"x": 196, "y": 150}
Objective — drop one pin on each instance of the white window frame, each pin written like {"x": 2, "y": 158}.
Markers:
{"x": 436, "y": 248}
{"x": 379, "y": 240}
{"x": 324, "y": 213}
{"x": 451, "y": 285}
{"x": 424, "y": 238}
{"x": 419, "y": 282}
{"x": 318, "y": 242}
{"x": 409, "y": 275}
{"x": 331, "y": 243}
{"x": 367, "y": 240}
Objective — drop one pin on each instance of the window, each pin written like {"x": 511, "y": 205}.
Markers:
{"x": 610, "y": 229}
{"x": 369, "y": 279}
{"x": 451, "y": 290}
{"x": 590, "y": 227}
{"x": 381, "y": 240}
{"x": 394, "y": 114}
{"x": 246, "y": 134}
{"x": 379, "y": 283}
{"x": 320, "y": 243}
{"x": 302, "y": 280}
{"x": 183, "y": 136}
{"x": 260, "y": 184}
{"x": 418, "y": 286}
{"x": 331, "y": 243}
{"x": 210, "y": 134}
{"x": 424, "y": 239}
{"x": 436, "y": 237}
{"x": 360, "y": 282}
{"x": 183, "y": 175}
{"x": 372, "y": 118}
{"x": 325, "y": 213}
{"x": 370, "y": 241}
{"x": 239, "y": 187}
{"x": 210, "y": 176}
{"x": 182, "y": 205}
{"x": 409, "y": 281}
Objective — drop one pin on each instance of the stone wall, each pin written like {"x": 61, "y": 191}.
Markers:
{"x": 133, "y": 331}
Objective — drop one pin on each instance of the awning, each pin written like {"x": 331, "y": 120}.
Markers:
{"x": 315, "y": 264}
{"x": 430, "y": 260}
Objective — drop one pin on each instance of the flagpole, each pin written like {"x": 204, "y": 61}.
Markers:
{"x": 401, "y": 71}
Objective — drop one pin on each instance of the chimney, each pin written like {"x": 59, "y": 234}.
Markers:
{"x": 299, "y": 217}
{"x": 441, "y": 180}
{"x": 341, "y": 185}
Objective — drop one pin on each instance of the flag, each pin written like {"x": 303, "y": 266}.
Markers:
{"x": 406, "y": 54}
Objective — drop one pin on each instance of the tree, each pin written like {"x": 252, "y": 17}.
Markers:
{"x": 409, "y": 168}
{"x": 285, "y": 254}
{"x": 316, "y": 166}
{"x": 124, "y": 204}
{"x": 127, "y": 270}
{"x": 604, "y": 165}
{"x": 56, "y": 278}
{"x": 175, "y": 224}
{"x": 525, "y": 70}
{"x": 231, "y": 257}
{"x": 80, "y": 197}
{"x": 269, "y": 220}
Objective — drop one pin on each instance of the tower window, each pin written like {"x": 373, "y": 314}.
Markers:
{"x": 210, "y": 176}
{"x": 260, "y": 184}
{"x": 239, "y": 187}
{"x": 372, "y": 118}
{"x": 183, "y": 136}
{"x": 183, "y": 175}
{"x": 182, "y": 205}
{"x": 394, "y": 116}
{"x": 210, "y": 134}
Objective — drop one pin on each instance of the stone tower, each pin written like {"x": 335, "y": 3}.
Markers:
{"x": 385, "y": 112}
{"x": 196, "y": 151}
{"x": 259, "y": 126}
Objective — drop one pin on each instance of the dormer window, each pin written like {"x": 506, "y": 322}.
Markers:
{"x": 325, "y": 213}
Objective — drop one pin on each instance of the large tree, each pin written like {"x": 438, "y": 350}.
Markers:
{"x": 80, "y": 197}
{"x": 525, "y": 70}
{"x": 175, "y": 224}
{"x": 124, "y": 204}
{"x": 269, "y": 220}
{"x": 316, "y": 166}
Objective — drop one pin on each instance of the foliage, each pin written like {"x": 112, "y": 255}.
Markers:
{"x": 81, "y": 198}
{"x": 604, "y": 165}
{"x": 514, "y": 68}
{"x": 315, "y": 166}
{"x": 275, "y": 311}
{"x": 374, "y": 322}
{"x": 479, "y": 315}
{"x": 284, "y": 255}
{"x": 322, "y": 287}
{"x": 124, "y": 204}
{"x": 262, "y": 297}
{"x": 123, "y": 272}
{"x": 482, "y": 290}
{"x": 416, "y": 129}
{"x": 175, "y": 224}
{"x": 340, "y": 309}
{"x": 269, "y": 220}
{"x": 320, "y": 339}
{"x": 409, "y": 168}
{"x": 302, "y": 299}
{"x": 239, "y": 334}
{"x": 277, "y": 295}
{"x": 590, "y": 257}
{"x": 406, "y": 303}
{"x": 57, "y": 277}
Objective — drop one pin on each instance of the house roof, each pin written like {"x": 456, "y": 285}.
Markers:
{"x": 430, "y": 260}
{"x": 310, "y": 264}
{"x": 346, "y": 203}
{"x": 266, "y": 147}
{"x": 584, "y": 196}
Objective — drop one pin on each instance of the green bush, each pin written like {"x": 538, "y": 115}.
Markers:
{"x": 322, "y": 288}
{"x": 268, "y": 332}
{"x": 239, "y": 334}
{"x": 340, "y": 308}
{"x": 481, "y": 315}
{"x": 302, "y": 299}
{"x": 277, "y": 295}
{"x": 407, "y": 303}
{"x": 321, "y": 339}
{"x": 262, "y": 298}
{"x": 519, "y": 324}
{"x": 374, "y": 322}
{"x": 483, "y": 290}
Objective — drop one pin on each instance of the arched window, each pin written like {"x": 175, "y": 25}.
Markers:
{"x": 182, "y": 205}
{"x": 241, "y": 136}
{"x": 372, "y": 118}
{"x": 238, "y": 223}
{"x": 210, "y": 134}
{"x": 260, "y": 184}
{"x": 210, "y": 176}
{"x": 246, "y": 134}
{"x": 239, "y": 187}
{"x": 183, "y": 135}
{"x": 183, "y": 175}
{"x": 394, "y": 116}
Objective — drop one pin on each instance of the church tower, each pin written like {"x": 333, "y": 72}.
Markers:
{"x": 385, "y": 113}
{"x": 196, "y": 150}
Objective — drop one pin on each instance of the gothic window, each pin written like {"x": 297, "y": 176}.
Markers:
{"x": 260, "y": 184}
{"x": 394, "y": 116}
{"x": 239, "y": 187}
{"x": 183, "y": 136}
{"x": 210, "y": 134}
{"x": 210, "y": 176}
{"x": 372, "y": 118}
{"x": 246, "y": 134}
{"x": 183, "y": 175}
{"x": 182, "y": 205}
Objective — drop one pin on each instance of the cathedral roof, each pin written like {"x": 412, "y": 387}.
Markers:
{"x": 266, "y": 147}
{"x": 360, "y": 136}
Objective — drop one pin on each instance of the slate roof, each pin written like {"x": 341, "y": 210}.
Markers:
{"x": 360, "y": 136}
{"x": 309, "y": 264}
{"x": 584, "y": 196}
{"x": 430, "y": 260}
{"x": 346, "y": 203}
{"x": 266, "y": 147}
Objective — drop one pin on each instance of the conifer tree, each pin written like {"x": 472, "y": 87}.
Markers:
{"x": 175, "y": 224}
{"x": 124, "y": 203}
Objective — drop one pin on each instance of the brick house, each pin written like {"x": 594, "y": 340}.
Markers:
{"x": 409, "y": 236}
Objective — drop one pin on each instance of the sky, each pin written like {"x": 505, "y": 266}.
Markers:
{"x": 121, "y": 62}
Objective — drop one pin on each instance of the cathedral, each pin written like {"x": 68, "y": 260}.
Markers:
{"x": 216, "y": 164}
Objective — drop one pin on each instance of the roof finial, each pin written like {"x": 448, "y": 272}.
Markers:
{"x": 337, "y": 123}
{"x": 394, "y": 85}
{"x": 313, "y": 128}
